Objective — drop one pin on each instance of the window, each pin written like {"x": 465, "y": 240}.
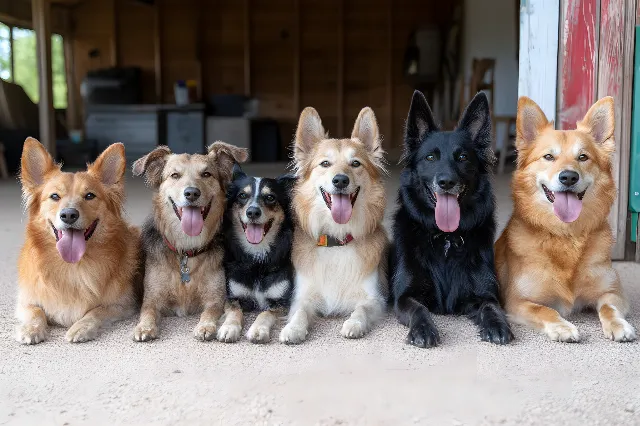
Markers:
{"x": 5, "y": 53}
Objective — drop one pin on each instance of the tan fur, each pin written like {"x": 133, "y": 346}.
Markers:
{"x": 548, "y": 268}
{"x": 338, "y": 280}
{"x": 165, "y": 294}
{"x": 100, "y": 287}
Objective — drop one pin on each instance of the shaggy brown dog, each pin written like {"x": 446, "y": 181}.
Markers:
{"x": 182, "y": 240}
{"x": 554, "y": 256}
{"x": 80, "y": 259}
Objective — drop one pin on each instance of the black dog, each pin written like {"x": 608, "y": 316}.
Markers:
{"x": 258, "y": 231}
{"x": 442, "y": 260}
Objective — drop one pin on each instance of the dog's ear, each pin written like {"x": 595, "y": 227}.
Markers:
{"x": 110, "y": 166}
{"x": 36, "y": 163}
{"x": 529, "y": 123}
{"x": 288, "y": 182}
{"x": 226, "y": 156}
{"x": 237, "y": 172}
{"x": 420, "y": 122}
{"x": 308, "y": 133}
{"x": 152, "y": 165}
{"x": 476, "y": 120}
{"x": 600, "y": 123}
{"x": 366, "y": 130}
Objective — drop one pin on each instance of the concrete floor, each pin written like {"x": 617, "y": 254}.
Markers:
{"x": 327, "y": 381}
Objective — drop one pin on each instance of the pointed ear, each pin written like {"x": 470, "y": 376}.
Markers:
{"x": 366, "y": 130}
{"x": 36, "y": 163}
{"x": 152, "y": 165}
{"x": 600, "y": 123}
{"x": 420, "y": 122}
{"x": 476, "y": 120}
{"x": 226, "y": 156}
{"x": 237, "y": 172}
{"x": 530, "y": 122}
{"x": 110, "y": 166}
{"x": 308, "y": 133}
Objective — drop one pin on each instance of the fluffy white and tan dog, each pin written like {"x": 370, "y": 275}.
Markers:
{"x": 339, "y": 246}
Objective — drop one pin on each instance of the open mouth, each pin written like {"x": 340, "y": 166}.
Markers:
{"x": 447, "y": 211}
{"x": 567, "y": 205}
{"x": 255, "y": 232}
{"x": 341, "y": 205}
{"x": 72, "y": 243}
{"x": 191, "y": 217}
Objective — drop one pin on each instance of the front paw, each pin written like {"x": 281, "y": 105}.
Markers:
{"x": 423, "y": 335}
{"x": 498, "y": 332}
{"x": 205, "y": 331}
{"x": 292, "y": 334}
{"x": 562, "y": 332}
{"x": 31, "y": 334}
{"x": 258, "y": 334}
{"x": 619, "y": 330}
{"x": 145, "y": 332}
{"x": 82, "y": 331}
{"x": 229, "y": 333}
{"x": 353, "y": 329}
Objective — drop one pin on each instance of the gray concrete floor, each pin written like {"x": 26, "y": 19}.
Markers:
{"x": 328, "y": 380}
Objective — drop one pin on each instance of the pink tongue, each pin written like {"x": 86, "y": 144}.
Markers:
{"x": 254, "y": 233}
{"x": 192, "y": 221}
{"x": 567, "y": 206}
{"x": 341, "y": 208}
{"x": 71, "y": 245}
{"x": 447, "y": 212}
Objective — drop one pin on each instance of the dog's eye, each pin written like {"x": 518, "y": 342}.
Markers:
{"x": 90, "y": 196}
{"x": 325, "y": 164}
{"x": 243, "y": 196}
{"x": 355, "y": 163}
{"x": 206, "y": 175}
{"x": 55, "y": 197}
{"x": 175, "y": 176}
{"x": 431, "y": 157}
{"x": 269, "y": 198}
{"x": 462, "y": 157}
{"x": 583, "y": 157}
{"x": 549, "y": 157}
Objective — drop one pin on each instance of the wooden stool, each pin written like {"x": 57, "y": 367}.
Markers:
{"x": 4, "y": 170}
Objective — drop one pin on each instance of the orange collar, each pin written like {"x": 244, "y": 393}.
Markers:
{"x": 329, "y": 241}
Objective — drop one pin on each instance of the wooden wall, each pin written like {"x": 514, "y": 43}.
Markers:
{"x": 335, "y": 55}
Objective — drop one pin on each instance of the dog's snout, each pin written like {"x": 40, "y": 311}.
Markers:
{"x": 340, "y": 181}
{"x": 569, "y": 177}
{"x": 192, "y": 194}
{"x": 446, "y": 182}
{"x": 69, "y": 216}
{"x": 254, "y": 213}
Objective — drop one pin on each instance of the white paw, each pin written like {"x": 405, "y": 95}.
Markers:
{"x": 205, "y": 330}
{"x": 82, "y": 331}
{"x": 619, "y": 330}
{"x": 562, "y": 332}
{"x": 229, "y": 333}
{"x": 258, "y": 334}
{"x": 145, "y": 332}
{"x": 353, "y": 329}
{"x": 31, "y": 334}
{"x": 292, "y": 334}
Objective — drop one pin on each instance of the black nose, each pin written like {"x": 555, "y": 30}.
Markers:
{"x": 192, "y": 194}
{"x": 569, "y": 177}
{"x": 69, "y": 216}
{"x": 254, "y": 213}
{"x": 446, "y": 182}
{"x": 340, "y": 181}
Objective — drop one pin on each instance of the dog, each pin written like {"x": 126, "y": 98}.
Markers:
{"x": 339, "y": 245}
{"x": 258, "y": 231}
{"x": 182, "y": 238}
{"x": 80, "y": 261}
{"x": 442, "y": 258}
{"x": 553, "y": 258}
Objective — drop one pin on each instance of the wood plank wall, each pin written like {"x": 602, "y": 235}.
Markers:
{"x": 335, "y": 55}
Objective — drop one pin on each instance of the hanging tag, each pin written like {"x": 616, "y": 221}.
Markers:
{"x": 447, "y": 246}
{"x": 185, "y": 275}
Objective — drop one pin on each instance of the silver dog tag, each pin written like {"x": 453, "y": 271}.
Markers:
{"x": 185, "y": 275}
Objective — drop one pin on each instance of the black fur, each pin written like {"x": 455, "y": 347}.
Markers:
{"x": 241, "y": 266}
{"x": 423, "y": 277}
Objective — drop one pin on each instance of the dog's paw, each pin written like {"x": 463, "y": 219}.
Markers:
{"x": 205, "y": 331}
{"x": 562, "y": 332}
{"x": 229, "y": 333}
{"x": 81, "y": 332}
{"x": 498, "y": 333}
{"x": 353, "y": 329}
{"x": 423, "y": 335}
{"x": 145, "y": 333}
{"x": 258, "y": 334}
{"x": 292, "y": 334}
{"x": 31, "y": 334}
{"x": 619, "y": 330}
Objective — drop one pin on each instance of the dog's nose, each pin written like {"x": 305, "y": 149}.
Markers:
{"x": 569, "y": 177}
{"x": 69, "y": 216}
{"x": 192, "y": 194}
{"x": 446, "y": 182}
{"x": 254, "y": 213}
{"x": 340, "y": 181}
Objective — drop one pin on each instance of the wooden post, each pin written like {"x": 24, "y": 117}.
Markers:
{"x": 296, "y": 59}
{"x": 340, "y": 80}
{"x": 42, "y": 26}
{"x": 12, "y": 65}
{"x": 114, "y": 38}
{"x": 157, "y": 44}
{"x": 247, "y": 48}
{"x": 390, "y": 64}
{"x": 72, "y": 99}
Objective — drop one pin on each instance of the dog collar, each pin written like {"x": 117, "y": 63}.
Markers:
{"x": 329, "y": 241}
{"x": 449, "y": 240}
{"x": 184, "y": 255}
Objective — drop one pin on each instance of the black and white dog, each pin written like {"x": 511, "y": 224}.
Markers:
{"x": 258, "y": 232}
{"x": 442, "y": 260}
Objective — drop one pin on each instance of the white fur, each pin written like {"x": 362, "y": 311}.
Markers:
{"x": 275, "y": 291}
